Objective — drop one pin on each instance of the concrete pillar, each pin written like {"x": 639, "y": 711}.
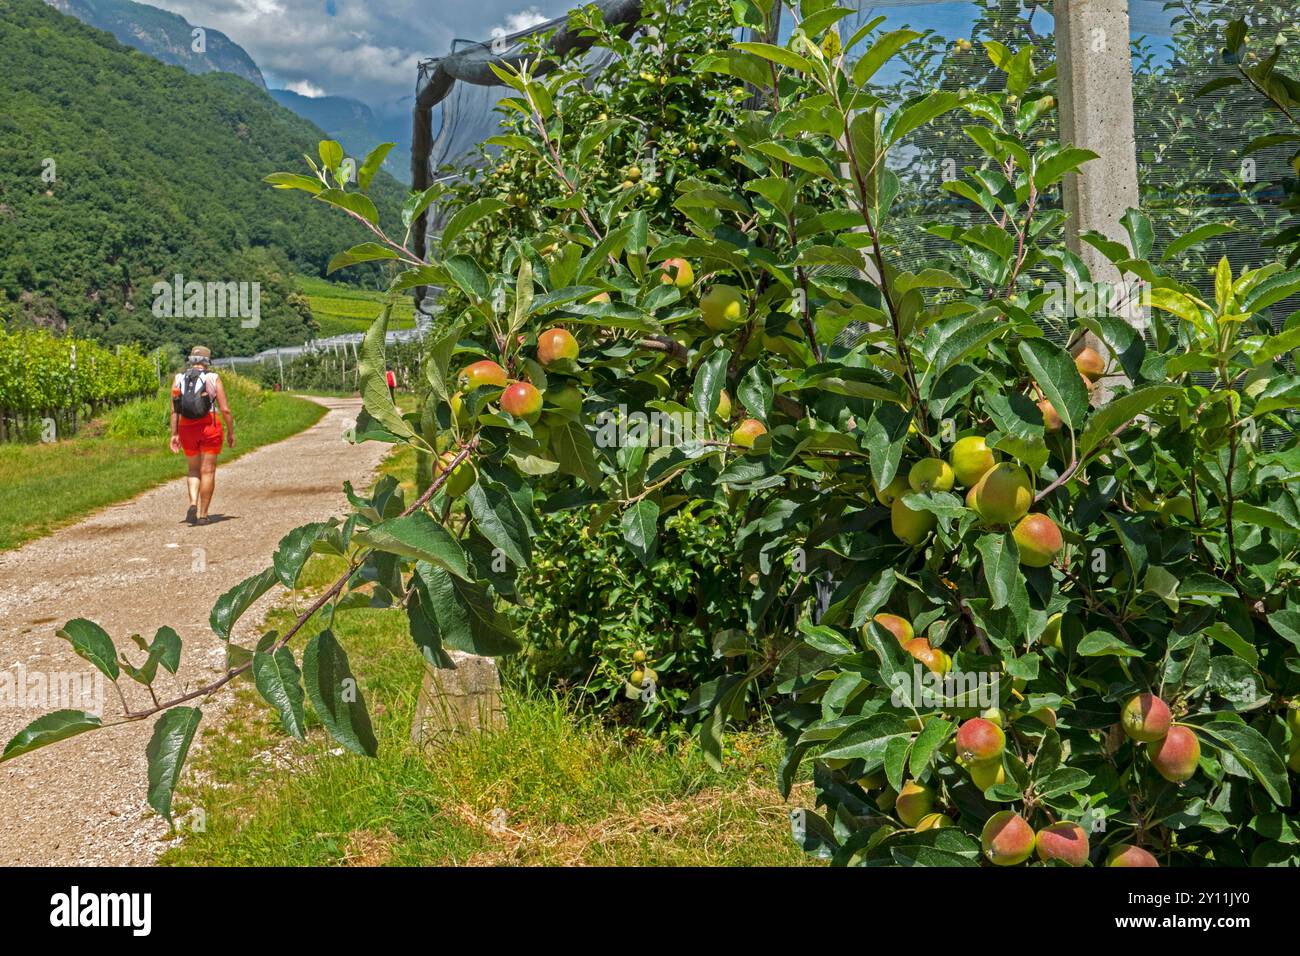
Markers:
{"x": 460, "y": 700}
{"x": 1095, "y": 94}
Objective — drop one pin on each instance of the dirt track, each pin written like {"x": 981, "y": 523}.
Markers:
{"x": 132, "y": 568}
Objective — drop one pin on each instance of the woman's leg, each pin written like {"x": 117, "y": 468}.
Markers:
{"x": 207, "y": 481}
{"x": 192, "y": 480}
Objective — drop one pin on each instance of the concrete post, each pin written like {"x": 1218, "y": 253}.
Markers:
{"x": 459, "y": 700}
{"x": 1095, "y": 93}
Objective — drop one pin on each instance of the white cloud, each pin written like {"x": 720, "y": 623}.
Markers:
{"x": 365, "y": 50}
{"x": 305, "y": 88}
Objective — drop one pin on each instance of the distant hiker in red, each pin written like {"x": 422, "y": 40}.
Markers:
{"x": 392, "y": 384}
{"x": 197, "y": 396}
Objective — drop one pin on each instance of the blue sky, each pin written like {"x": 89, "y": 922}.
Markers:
{"x": 369, "y": 50}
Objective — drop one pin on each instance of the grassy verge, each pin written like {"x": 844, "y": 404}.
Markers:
{"x": 553, "y": 788}
{"x": 44, "y": 487}
{"x": 339, "y": 309}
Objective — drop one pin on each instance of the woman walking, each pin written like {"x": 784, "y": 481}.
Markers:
{"x": 197, "y": 397}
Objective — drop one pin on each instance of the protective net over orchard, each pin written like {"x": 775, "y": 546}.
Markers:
{"x": 1192, "y": 128}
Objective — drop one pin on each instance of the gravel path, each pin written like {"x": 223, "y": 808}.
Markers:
{"x": 131, "y": 568}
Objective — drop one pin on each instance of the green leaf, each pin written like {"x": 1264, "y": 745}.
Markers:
{"x": 1001, "y": 565}
{"x": 418, "y": 536}
{"x": 277, "y": 679}
{"x": 1230, "y": 639}
{"x": 467, "y": 216}
{"x": 498, "y": 519}
{"x": 354, "y": 203}
{"x": 373, "y": 161}
{"x": 929, "y": 740}
{"x": 1196, "y": 236}
{"x": 709, "y": 382}
{"x": 336, "y": 695}
{"x": 92, "y": 643}
{"x": 294, "y": 550}
{"x": 755, "y": 391}
{"x": 294, "y": 181}
{"x": 1102, "y": 644}
{"x": 465, "y": 614}
{"x": 232, "y": 605}
{"x": 49, "y": 729}
{"x": 641, "y": 529}
{"x": 167, "y": 750}
{"x": 776, "y": 54}
{"x": 1111, "y": 416}
{"x": 374, "y": 386}
{"x": 1054, "y": 168}
{"x": 1056, "y": 374}
{"x": 331, "y": 154}
{"x": 880, "y": 53}
{"x": 1254, "y": 753}
{"x": 365, "y": 252}
{"x": 575, "y": 453}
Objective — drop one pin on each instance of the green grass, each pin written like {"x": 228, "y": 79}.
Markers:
{"x": 47, "y": 486}
{"x": 552, "y": 788}
{"x": 340, "y": 309}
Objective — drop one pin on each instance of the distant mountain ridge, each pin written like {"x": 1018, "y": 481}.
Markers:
{"x": 165, "y": 36}
{"x": 355, "y": 126}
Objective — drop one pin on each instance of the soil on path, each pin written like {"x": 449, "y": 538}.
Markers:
{"x": 132, "y": 568}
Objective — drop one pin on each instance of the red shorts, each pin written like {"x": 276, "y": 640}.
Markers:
{"x": 200, "y": 435}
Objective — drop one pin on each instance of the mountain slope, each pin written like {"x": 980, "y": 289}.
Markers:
{"x": 165, "y": 36}
{"x": 117, "y": 172}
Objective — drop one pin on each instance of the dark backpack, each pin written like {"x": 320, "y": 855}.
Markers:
{"x": 194, "y": 400}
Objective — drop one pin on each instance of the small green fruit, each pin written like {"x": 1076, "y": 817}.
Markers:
{"x": 987, "y": 773}
{"x": 1004, "y": 494}
{"x": 914, "y": 802}
{"x": 723, "y": 308}
{"x": 911, "y": 527}
{"x": 934, "y": 821}
{"x": 893, "y": 490}
{"x": 971, "y": 459}
{"x": 930, "y": 474}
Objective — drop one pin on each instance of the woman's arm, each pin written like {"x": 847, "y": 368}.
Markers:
{"x": 224, "y": 407}
{"x": 176, "y": 436}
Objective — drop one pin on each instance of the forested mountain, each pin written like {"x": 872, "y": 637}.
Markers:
{"x": 117, "y": 171}
{"x": 164, "y": 36}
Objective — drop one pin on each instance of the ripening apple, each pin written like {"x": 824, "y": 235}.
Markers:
{"x": 987, "y": 773}
{"x": 724, "y": 406}
{"x": 1051, "y": 419}
{"x": 638, "y": 657}
{"x": 934, "y": 821}
{"x": 678, "y": 272}
{"x": 1064, "y": 841}
{"x": 1125, "y": 854}
{"x": 1051, "y": 636}
{"x": 930, "y": 474}
{"x": 747, "y": 431}
{"x": 898, "y": 486}
{"x": 900, "y": 627}
{"x": 522, "y": 400}
{"x": 723, "y": 308}
{"x": 1007, "y": 839}
{"x": 1175, "y": 755}
{"x": 1038, "y": 539}
{"x": 1145, "y": 718}
{"x": 971, "y": 458}
{"x": 556, "y": 344}
{"x": 913, "y": 802}
{"x": 909, "y": 526}
{"x": 979, "y": 739}
{"x": 1090, "y": 364}
{"x": 485, "y": 372}
{"x": 1004, "y": 494}
{"x": 460, "y": 480}
{"x": 934, "y": 659}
